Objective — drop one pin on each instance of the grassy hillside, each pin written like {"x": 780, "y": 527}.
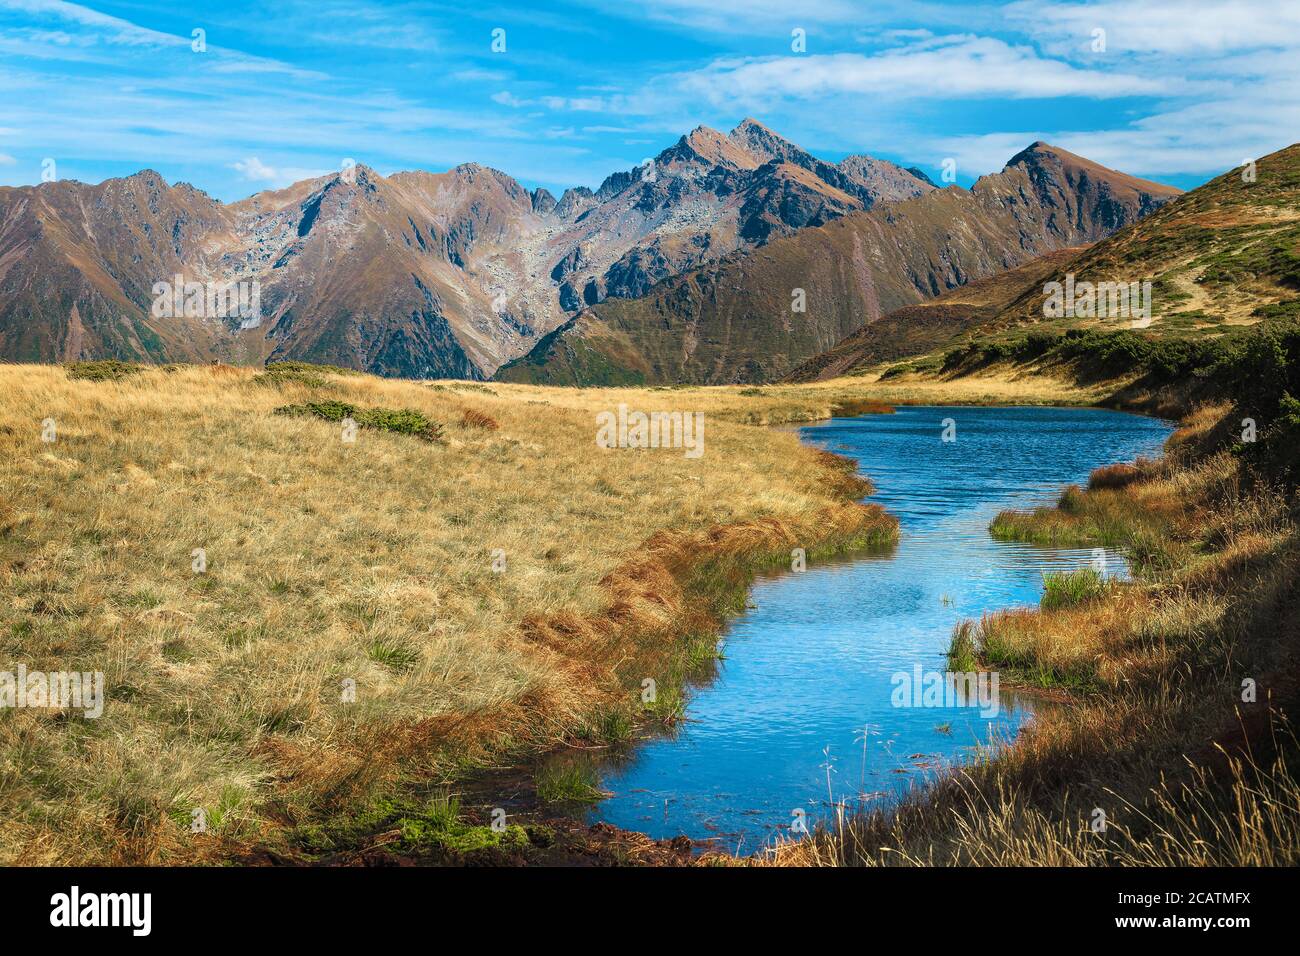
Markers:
{"x": 1220, "y": 259}
{"x": 918, "y": 329}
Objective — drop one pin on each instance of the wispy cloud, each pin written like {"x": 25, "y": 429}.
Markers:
{"x": 583, "y": 89}
{"x": 1160, "y": 27}
{"x": 253, "y": 170}
{"x": 930, "y": 68}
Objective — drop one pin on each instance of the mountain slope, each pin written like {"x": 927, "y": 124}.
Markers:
{"x": 425, "y": 274}
{"x": 917, "y": 329}
{"x": 1223, "y": 256}
{"x": 705, "y": 197}
{"x": 1215, "y": 258}
{"x": 77, "y": 264}
{"x": 738, "y": 320}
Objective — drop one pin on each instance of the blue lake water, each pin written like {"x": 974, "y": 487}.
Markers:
{"x": 808, "y": 674}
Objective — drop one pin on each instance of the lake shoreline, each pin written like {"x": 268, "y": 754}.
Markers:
{"x": 1160, "y": 758}
{"x": 526, "y": 807}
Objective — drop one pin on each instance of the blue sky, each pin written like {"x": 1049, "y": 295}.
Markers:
{"x": 286, "y": 90}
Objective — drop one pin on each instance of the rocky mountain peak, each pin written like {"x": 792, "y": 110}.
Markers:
{"x": 454, "y": 273}
{"x": 765, "y": 145}
{"x": 707, "y": 145}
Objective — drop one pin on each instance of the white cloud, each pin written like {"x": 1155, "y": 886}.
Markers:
{"x": 108, "y": 28}
{"x": 942, "y": 68}
{"x": 7, "y": 160}
{"x": 254, "y": 170}
{"x": 1199, "y": 139}
{"x": 1162, "y": 26}
{"x": 586, "y": 104}
{"x": 778, "y": 17}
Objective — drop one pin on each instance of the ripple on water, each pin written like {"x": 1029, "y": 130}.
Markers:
{"x": 811, "y": 665}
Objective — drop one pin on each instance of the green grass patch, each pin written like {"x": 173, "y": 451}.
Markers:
{"x": 107, "y": 370}
{"x": 568, "y": 782}
{"x": 307, "y": 368}
{"x": 1071, "y": 588}
{"x": 963, "y": 653}
{"x": 669, "y": 705}
{"x": 436, "y": 827}
{"x": 400, "y": 421}
{"x": 279, "y": 377}
{"x": 393, "y": 653}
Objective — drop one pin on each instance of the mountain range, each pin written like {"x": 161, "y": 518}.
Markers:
{"x": 681, "y": 268}
{"x": 740, "y": 319}
{"x": 1224, "y": 256}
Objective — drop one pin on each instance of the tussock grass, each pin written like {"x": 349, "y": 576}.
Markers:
{"x": 561, "y": 782}
{"x": 1150, "y": 725}
{"x": 473, "y": 418}
{"x": 1070, "y": 588}
{"x": 1236, "y": 812}
{"x": 370, "y": 562}
{"x": 1118, "y": 475}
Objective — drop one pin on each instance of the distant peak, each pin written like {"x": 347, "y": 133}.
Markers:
{"x": 1045, "y": 157}
{"x": 1035, "y": 152}
{"x": 749, "y": 123}
{"x": 703, "y": 133}
{"x": 765, "y": 145}
{"x": 710, "y": 146}
{"x": 752, "y": 131}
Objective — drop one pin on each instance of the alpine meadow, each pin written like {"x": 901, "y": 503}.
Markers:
{"x": 688, "y": 435}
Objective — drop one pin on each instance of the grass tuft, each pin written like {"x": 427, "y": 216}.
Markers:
{"x": 473, "y": 418}
{"x": 568, "y": 782}
{"x": 1072, "y": 588}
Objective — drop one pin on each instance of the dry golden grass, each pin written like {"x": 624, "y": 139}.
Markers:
{"x": 1002, "y": 385}
{"x": 370, "y": 561}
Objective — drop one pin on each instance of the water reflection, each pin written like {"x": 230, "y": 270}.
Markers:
{"x": 799, "y": 716}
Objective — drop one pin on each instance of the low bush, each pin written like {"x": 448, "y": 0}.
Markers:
{"x": 402, "y": 421}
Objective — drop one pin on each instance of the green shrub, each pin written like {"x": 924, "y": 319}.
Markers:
{"x": 307, "y": 368}
{"x": 290, "y": 377}
{"x": 402, "y": 421}
{"x": 107, "y": 370}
